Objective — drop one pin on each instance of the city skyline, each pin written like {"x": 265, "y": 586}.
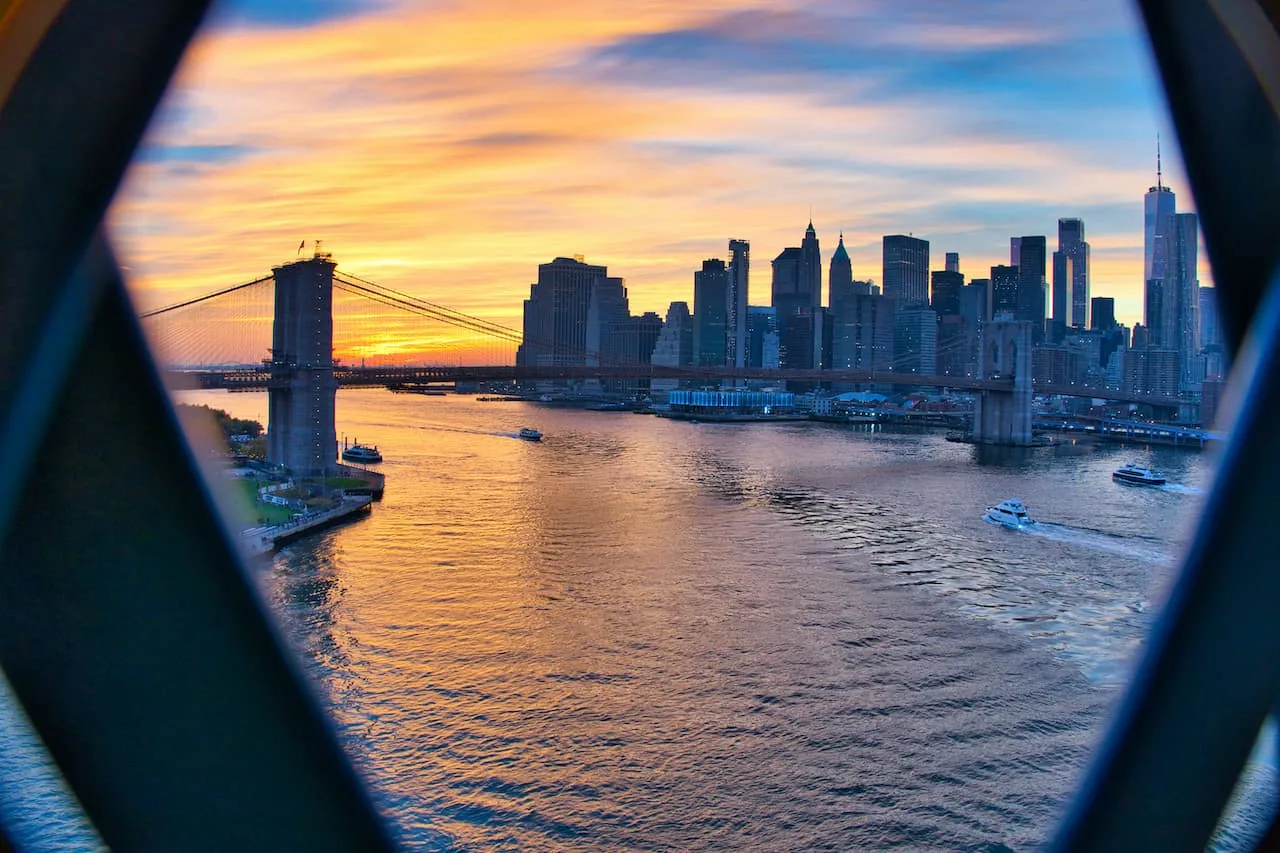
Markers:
{"x": 453, "y": 174}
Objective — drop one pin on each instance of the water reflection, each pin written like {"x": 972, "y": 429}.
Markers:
{"x": 642, "y": 633}
{"x": 305, "y": 591}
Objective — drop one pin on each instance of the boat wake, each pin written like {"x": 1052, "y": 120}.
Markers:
{"x": 429, "y": 427}
{"x": 1098, "y": 540}
{"x": 1181, "y": 489}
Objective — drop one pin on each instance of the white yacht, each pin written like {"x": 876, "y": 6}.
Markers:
{"x": 530, "y": 434}
{"x": 1010, "y": 513}
{"x": 1131, "y": 473}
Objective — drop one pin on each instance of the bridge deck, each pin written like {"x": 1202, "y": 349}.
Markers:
{"x": 249, "y": 378}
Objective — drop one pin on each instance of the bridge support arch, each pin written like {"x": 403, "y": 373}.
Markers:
{"x": 1004, "y": 417}
{"x": 301, "y": 434}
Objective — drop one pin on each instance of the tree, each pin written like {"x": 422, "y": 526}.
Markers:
{"x": 227, "y": 425}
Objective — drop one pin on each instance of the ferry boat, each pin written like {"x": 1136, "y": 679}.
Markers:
{"x": 1134, "y": 475}
{"x": 362, "y": 453}
{"x": 530, "y": 434}
{"x": 1010, "y": 513}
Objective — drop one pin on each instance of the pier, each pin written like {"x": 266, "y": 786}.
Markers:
{"x": 263, "y": 540}
{"x": 1130, "y": 432}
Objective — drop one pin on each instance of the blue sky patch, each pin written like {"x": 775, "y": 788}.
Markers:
{"x": 198, "y": 154}
{"x": 285, "y": 13}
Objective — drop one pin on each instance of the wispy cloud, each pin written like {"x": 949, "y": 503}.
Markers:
{"x": 447, "y": 150}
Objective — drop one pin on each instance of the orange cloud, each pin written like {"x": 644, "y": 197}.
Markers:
{"x": 448, "y": 152}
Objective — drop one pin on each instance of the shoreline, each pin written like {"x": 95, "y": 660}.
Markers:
{"x": 263, "y": 540}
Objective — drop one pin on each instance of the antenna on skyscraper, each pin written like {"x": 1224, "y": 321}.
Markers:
{"x": 1159, "y": 176}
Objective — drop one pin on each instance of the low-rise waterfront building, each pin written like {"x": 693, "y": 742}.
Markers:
{"x": 732, "y": 405}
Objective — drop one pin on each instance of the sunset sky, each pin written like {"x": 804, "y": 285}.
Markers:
{"x": 446, "y": 149}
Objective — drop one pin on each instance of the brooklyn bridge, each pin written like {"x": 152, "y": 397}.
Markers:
{"x": 307, "y": 329}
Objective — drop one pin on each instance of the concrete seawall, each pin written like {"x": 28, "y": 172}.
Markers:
{"x": 264, "y": 540}
{"x": 376, "y": 480}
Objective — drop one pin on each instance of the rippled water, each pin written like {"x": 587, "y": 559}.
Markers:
{"x": 643, "y": 634}
{"x": 649, "y": 635}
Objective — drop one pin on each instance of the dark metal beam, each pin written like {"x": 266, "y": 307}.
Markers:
{"x": 141, "y": 651}
{"x": 1213, "y": 55}
{"x": 1210, "y": 675}
{"x": 131, "y": 635}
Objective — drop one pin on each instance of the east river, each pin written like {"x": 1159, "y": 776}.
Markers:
{"x": 642, "y": 634}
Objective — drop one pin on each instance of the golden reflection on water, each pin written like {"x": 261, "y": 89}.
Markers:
{"x": 644, "y": 633}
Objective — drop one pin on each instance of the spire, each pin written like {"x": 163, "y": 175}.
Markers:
{"x": 841, "y": 253}
{"x": 1159, "y": 176}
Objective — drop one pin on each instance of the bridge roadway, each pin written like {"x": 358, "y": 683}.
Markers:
{"x": 249, "y": 378}
{"x": 252, "y": 378}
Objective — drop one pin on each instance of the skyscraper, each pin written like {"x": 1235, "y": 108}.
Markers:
{"x": 1159, "y": 205}
{"x": 975, "y": 301}
{"x": 839, "y": 278}
{"x": 674, "y": 347}
{"x": 762, "y": 332}
{"x": 1071, "y": 276}
{"x": 1004, "y": 291}
{"x": 915, "y": 341}
{"x": 1031, "y": 284}
{"x": 946, "y": 292}
{"x": 975, "y": 311}
{"x": 1159, "y": 298}
{"x": 863, "y": 334}
{"x": 631, "y": 340}
{"x": 787, "y": 299}
{"x": 736, "y": 316}
{"x": 1059, "y": 310}
{"x": 1182, "y": 297}
{"x": 811, "y": 267}
{"x": 1154, "y": 311}
{"x": 795, "y": 296}
{"x": 1210, "y": 332}
{"x": 1104, "y": 313}
{"x": 953, "y": 262}
{"x": 1103, "y": 320}
{"x": 906, "y": 270}
{"x": 952, "y": 353}
{"x": 710, "y": 313}
{"x": 1211, "y": 344}
{"x": 786, "y": 278}
{"x": 608, "y": 307}
{"x": 555, "y": 314}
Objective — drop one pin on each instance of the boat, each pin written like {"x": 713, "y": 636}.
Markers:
{"x": 1133, "y": 474}
{"x": 530, "y": 434}
{"x": 361, "y": 453}
{"x": 1010, "y": 513}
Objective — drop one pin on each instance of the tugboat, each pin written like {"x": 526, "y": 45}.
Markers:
{"x": 364, "y": 453}
{"x": 1010, "y": 513}
{"x": 1130, "y": 473}
{"x": 530, "y": 434}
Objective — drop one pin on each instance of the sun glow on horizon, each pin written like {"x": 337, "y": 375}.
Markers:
{"x": 642, "y": 139}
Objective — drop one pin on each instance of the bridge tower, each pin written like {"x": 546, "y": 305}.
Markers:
{"x": 300, "y": 397}
{"x": 1004, "y": 417}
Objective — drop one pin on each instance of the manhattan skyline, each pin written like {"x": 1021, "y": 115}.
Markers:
{"x": 641, "y": 140}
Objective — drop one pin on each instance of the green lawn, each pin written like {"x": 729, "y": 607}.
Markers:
{"x": 345, "y": 482}
{"x": 256, "y": 512}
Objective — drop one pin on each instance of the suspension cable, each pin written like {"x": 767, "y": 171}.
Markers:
{"x": 157, "y": 312}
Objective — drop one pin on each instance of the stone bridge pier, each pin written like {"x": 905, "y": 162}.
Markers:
{"x": 300, "y": 398}
{"x": 1004, "y": 417}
